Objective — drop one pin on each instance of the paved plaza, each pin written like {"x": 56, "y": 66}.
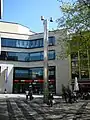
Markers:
{"x": 17, "y": 108}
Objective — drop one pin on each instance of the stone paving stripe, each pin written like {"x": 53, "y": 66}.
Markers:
{"x": 31, "y": 111}
{"x": 3, "y": 110}
{"x": 25, "y": 111}
{"x": 10, "y": 111}
{"x": 17, "y": 111}
{"x": 80, "y": 111}
{"x": 38, "y": 108}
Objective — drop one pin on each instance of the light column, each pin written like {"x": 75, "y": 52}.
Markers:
{"x": 45, "y": 86}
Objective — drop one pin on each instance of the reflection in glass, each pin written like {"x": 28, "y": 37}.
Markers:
{"x": 36, "y": 76}
{"x": 12, "y": 56}
{"x": 36, "y": 56}
{"x": 8, "y": 42}
{"x": 51, "y": 55}
{"x": 36, "y": 73}
{"x": 21, "y": 73}
{"x": 51, "y": 40}
{"x": 24, "y": 56}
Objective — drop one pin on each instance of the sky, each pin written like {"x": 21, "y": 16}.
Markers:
{"x": 28, "y": 13}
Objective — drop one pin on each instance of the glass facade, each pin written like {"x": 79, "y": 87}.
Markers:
{"x": 33, "y": 77}
{"x": 25, "y": 78}
{"x": 26, "y": 57}
{"x": 17, "y": 43}
{"x": 80, "y": 65}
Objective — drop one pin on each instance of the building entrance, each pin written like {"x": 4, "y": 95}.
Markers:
{"x": 32, "y": 78}
{"x": 19, "y": 87}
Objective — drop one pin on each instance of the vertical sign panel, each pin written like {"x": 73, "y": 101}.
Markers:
{"x": 6, "y": 74}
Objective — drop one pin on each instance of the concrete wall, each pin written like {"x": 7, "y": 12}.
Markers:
{"x": 14, "y": 28}
{"x": 62, "y": 75}
{"x": 6, "y": 84}
{"x": 62, "y": 64}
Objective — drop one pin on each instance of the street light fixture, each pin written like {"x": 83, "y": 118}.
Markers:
{"x": 46, "y": 91}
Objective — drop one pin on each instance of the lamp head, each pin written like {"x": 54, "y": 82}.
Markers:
{"x": 51, "y": 20}
{"x": 42, "y": 17}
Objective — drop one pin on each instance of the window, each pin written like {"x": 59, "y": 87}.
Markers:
{"x": 21, "y": 73}
{"x": 74, "y": 63}
{"x": 36, "y": 73}
{"x": 36, "y": 43}
{"x": 52, "y": 40}
{"x": 51, "y": 55}
{"x": 75, "y": 73}
{"x": 18, "y": 56}
{"x": 26, "y": 57}
{"x": 36, "y": 56}
{"x": 12, "y": 56}
{"x": 6, "y": 42}
{"x": 3, "y": 55}
{"x": 23, "y": 56}
{"x": 41, "y": 42}
{"x": 84, "y": 74}
{"x": 22, "y": 44}
{"x": 51, "y": 72}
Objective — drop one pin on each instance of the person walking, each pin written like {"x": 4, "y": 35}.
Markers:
{"x": 74, "y": 96}
{"x": 50, "y": 98}
{"x": 5, "y": 91}
{"x": 69, "y": 95}
{"x": 30, "y": 95}
{"x": 27, "y": 92}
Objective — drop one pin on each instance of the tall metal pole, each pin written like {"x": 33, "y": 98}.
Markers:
{"x": 46, "y": 91}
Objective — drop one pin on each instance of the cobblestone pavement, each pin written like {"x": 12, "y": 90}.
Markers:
{"x": 20, "y": 109}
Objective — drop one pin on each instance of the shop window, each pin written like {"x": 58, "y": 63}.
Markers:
{"x": 74, "y": 64}
{"x": 75, "y": 73}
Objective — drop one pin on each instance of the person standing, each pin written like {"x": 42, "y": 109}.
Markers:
{"x": 27, "y": 92}
{"x": 74, "y": 96}
{"x": 69, "y": 95}
{"x": 50, "y": 98}
{"x": 30, "y": 95}
{"x": 5, "y": 91}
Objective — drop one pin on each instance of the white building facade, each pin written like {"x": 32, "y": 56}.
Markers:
{"x": 22, "y": 52}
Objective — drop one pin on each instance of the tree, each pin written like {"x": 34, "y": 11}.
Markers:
{"x": 76, "y": 20}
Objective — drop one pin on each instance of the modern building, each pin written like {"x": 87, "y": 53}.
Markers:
{"x": 80, "y": 68}
{"x": 21, "y": 60}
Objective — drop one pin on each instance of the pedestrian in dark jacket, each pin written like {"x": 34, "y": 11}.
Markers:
{"x": 50, "y": 99}
{"x": 30, "y": 95}
{"x": 69, "y": 95}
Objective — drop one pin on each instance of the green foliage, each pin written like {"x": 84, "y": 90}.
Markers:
{"x": 76, "y": 20}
